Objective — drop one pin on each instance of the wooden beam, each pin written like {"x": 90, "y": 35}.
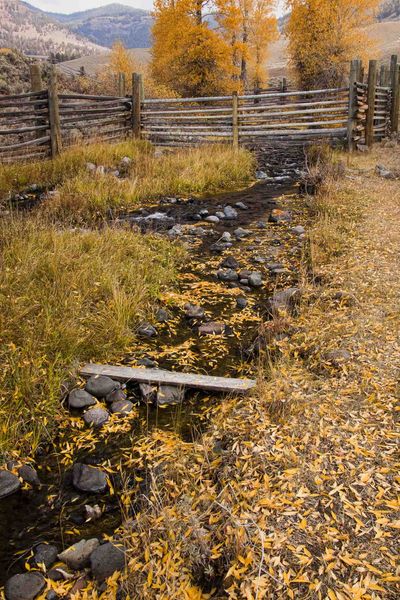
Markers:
{"x": 54, "y": 114}
{"x": 352, "y": 121}
{"x": 158, "y": 376}
{"x": 137, "y": 87}
{"x": 394, "y": 84}
{"x": 235, "y": 121}
{"x": 371, "y": 95}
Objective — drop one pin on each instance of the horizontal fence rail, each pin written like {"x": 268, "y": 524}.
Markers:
{"x": 39, "y": 124}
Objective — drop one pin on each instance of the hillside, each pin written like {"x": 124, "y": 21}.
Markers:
{"x": 390, "y": 10}
{"x": 106, "y": 24}
{"x": 33, "y": 32}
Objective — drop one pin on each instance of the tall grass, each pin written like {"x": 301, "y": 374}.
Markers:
{"x": 66, "y": 297}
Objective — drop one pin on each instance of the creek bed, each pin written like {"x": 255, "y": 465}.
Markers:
{"x": 54, "y": 513}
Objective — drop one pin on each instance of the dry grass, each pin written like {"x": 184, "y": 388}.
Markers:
{"x": 83, "y": 197}
{"x": 300, "y": 503}
{"x": 66, "y": 297}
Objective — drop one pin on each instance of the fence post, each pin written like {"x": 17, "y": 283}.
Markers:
{"x": 354, "y": 69}
{"x": 394, "y": 84}
{"x": 54, "y": 114}
{"x": 121, "y": 85}
{"x": 36, "y": 78}
{"x": 137, "y": 86}
{"x": 369, "y": 128}
{"x": 235, "y": 121}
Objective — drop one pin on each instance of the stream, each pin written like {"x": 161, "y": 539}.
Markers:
{"x": 55, "y": 512}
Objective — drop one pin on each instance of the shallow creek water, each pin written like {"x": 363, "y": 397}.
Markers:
{"x": 55, "y": 512}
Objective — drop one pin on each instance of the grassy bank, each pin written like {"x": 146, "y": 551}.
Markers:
{"x": 86, "y": 197}
{"x": 294, "y": 492}
{"x": 66, "y": 297}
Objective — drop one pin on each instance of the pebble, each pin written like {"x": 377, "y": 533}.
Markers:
{"x": 96, "y": 417}
{"x": 122, "y": 407}
{"x": 213, "y": 219}
{"x": 229, "y": 262}
{"x": 78, "y": 556}
{"x": 29, "y": 475}
{"x": 241, "y": 205}
{"x": 259, "y": 259}
{"x": 299, "y": 230}
{"x": 9, "y": 483}
{"x": 240, "y": 233}
{"x": 148, "y": 392}
{"x": 80, "y": 399}
{"x": 100, "y": 386}
{"x": 226, "y": 237}
{"x": 193, "y": 311}
{"x": 241, "y": 302}
{"x": 147, "y": 330}
{"x": 220, "y": 215}
{"x": 261, "y": 175}
{"x": 280, "y": 216}
{"x": 162, "y": 315}
{"x": 168, "y": 394}
{"x": 284, "y": 300}
{"x": 227, "y": 275}
{"x": 86, "y": 478}
{"x": 255, "y": 279}
{"x": 203, "y": 212}
{"x": 45, "y": 554}
{"x": 212, "y": 328}
{"x": 116, "y": 396}
{"x": 24, "y": 587}
{"x": 147, "y": 362}
{"x": 106, "y": 560}
{"x": 230, "y": 213}
{"x": 175, "y": 231}
{"x": 198, "y": 231}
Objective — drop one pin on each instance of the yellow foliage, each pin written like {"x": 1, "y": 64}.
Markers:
{"x": 324, "y": 35}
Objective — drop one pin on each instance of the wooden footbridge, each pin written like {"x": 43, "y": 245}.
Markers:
{"x": 41, "y": 123}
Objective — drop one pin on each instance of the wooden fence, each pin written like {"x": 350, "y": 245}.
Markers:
{"x": 39, "y": 124}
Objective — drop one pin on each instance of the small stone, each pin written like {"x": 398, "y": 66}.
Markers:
{"x": 100, "y": 386}
{"x": 162, "y": 315}
{"x": 86, "y": 478}
{"x": 299, "y": 230}
{"x": 116, "y": 396}
{"x": 106, "y": 560}
{"x": 203, "y": 212}
{"x": 148, "y": 392}
{"x": 338, "y": 357}
{"x": 212, "y": 219}
{"x": 90, "y": 167}
{"x": 78, "y": 556}
{"x": 24, "y": 587}
{"x": 9, "y": 483}
{"x": 229, "y": 262}
{"x": 147, "y": 330}
{"x": 241, "y": 302}
{"x": 240, "y": 233}
{"x": 126, "y": 161}
{"x": 285, "y": 300}
{"x": 193, "y": 311}
{"x": 212, "y": 328}
{"x": 168, "y": 394}
{"x": 255, "y": 279}
{"x": 80, "y": 399}
{"x": 261, "y": 224}
{"x": 198, "y": 231}
{"x": 261, "y": 175}
{"x": 227, "y": 275}
{"x": 45, "y": 554}
{"x": 226, "y": 237}
{"x": 55, "y": 575}
{"x": 29, "y": 475}
{"x": 230, "y": 213}
{"x": 384, "y": 172}
{"x": 175, "y": 231}
{"x": 220, "y": 215}
{"x": 280, "y": 216}
{"x": 259, "y": 260}
{"x": 147, "y": 362}
{"x": 241, "y": 205}
{"x": 52, "y": 595}
{"x": 96, "y": 417}
{"x": 122, "y": 407}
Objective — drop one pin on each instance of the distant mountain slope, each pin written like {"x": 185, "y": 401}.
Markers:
{"x": 106, "y": 24}
{"x": 390, "y": 10}
{"x": 31, "y": 31}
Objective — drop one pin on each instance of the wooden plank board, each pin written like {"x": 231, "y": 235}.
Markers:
{"x": 158, "y": 376}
